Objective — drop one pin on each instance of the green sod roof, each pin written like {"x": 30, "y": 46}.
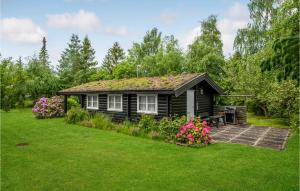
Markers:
{"x": 131, "y": 84}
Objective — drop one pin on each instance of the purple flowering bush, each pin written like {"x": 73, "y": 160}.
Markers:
{"x": 49, "y": 107}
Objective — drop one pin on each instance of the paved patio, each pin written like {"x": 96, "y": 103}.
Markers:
{"x": 268, "y": 137}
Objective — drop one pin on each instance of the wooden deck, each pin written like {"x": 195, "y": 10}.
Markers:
{"x": 274, "y": 138}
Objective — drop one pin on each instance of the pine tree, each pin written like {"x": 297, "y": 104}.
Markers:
{"x": 88, "y": 62}
{"x": 114, "y": 56}
{"x": 43, "y": 54}
{"x": 70, "y": 62}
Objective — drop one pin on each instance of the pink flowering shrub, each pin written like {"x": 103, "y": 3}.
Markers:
{"x": 49, "y": 107}
{"x": 194, "y": 132}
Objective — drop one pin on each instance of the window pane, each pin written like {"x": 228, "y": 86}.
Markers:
{"x": 118, "y": 105}
{"x": 94, "y": 104}
{"x": 89, "y": 104}
{"x": 94, "y": 98}
{"x": 118, "y": 98}
{"x": 151, "y": 107}
{"x": 151, "y": 99}
{"x": 142, "y": 99}
{"x": 142, "y": 107}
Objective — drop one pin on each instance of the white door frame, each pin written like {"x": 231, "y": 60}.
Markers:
{"x": 190, "y": 103}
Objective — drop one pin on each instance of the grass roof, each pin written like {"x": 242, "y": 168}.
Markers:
{"x": 143, "y": 83}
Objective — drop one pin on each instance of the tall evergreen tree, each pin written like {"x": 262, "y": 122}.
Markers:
{"x": 70, "y": 62}
{"x": 114, "y": 56}
{"x": 43, "y": 54}
{"x": 87, "y": 63}
{"x": 205, "y": 53}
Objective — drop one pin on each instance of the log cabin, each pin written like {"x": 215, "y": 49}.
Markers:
{"x": 184, "y": 94}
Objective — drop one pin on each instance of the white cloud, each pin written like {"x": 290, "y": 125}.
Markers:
{"x": 82, "y": 20}
{"x": 119, "y": 31}
{"x": 168, "y": 17}
{"x": 235, "y": 18}
{"x": 21, "y": 30}
{"x": 190, "y": 37}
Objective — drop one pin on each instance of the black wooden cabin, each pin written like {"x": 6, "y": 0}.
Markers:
{"x": 184, "y": 94}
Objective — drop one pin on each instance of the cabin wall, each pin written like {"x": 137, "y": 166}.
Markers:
{"x": 204, "y": 102}
{"x": 178, "y": 105}
{"x": 162, "y": 110}
{"x": 130, "y": 107}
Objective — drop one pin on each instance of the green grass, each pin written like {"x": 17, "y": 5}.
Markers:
{"x": 265, "y": 121}
{"x": 70, "y": 157}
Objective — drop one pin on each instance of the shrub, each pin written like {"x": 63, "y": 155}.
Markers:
{"x": 147, "y": 123}
{"x": 76, "y": 115}
{"x": 295, "y": 122}
{"x": 168, "y": 127}
{"x": 135, "y": 131}
{"x": 73, "y": 102}
{"x": 48, "y": 107}
{"x": 194, "y": 133}
{"x": 102, "y": 121}
{"x": 87, "y": 123}
{"x": 154, "y": 135}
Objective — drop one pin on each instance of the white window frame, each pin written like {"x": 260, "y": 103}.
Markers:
{"x": 87, "y": 100}
{"x": 115, "y": 109}
{"x": 147, "y": 111}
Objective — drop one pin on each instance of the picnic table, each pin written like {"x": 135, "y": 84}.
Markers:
{"x": 214, "y": 120}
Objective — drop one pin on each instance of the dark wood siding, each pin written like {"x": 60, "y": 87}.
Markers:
{"x": 115, "y": 115}
{"x": 178, "y": 105}
{"x": 162, "y": 110}
{"x": 204, "y": 102}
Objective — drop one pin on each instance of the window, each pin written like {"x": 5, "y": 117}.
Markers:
{"x": 92, "y": 102}
{"x": 114, "y": 103}
{"x": 147, "y": 104}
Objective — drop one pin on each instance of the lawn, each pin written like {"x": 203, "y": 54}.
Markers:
{"x": 70, "y": 157}
{"x": 265, "y": 121}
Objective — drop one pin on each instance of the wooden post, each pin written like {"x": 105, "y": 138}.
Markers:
{"x": 65, "y": 103}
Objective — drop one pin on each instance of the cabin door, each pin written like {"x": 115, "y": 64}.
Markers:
{"x": 190, "y": 103}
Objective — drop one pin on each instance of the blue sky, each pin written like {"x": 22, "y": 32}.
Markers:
{"x": 24, "y": 23}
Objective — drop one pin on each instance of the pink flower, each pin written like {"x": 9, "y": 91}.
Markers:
{"x": 204, "y": 123}
{"x": 178, "y": 135}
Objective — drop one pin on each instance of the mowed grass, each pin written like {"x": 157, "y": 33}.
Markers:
{"x": 70, "y": 157}
{"x": 265, "y": 121}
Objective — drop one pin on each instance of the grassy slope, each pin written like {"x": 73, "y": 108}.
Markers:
{"x": 264, "y": 121}
{"x": 70, "y": 157}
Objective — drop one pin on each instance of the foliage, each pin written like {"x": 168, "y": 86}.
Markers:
{"x": 205, "y": 53}
{"x": 48, "y": 107}
{"x": 168, "y": 126}
{"x": 76, "y": 115}
{"x": 101, "y": 121}
{"x": 147, "y": 123}
{"x": 194, "y": 133}
{"x": 251, "y": 39}
{"x": 73, "y": 101}
{"x": 13, "y": 77}
{"x": 114, "y": 56}
{"x": 154, "y": 135}
{"x": 135, "y": 131}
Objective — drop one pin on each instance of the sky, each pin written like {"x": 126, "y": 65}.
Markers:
{"x": 23, "y": 23}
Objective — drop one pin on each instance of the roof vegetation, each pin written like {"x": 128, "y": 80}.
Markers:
{"x": 143, "y": 83}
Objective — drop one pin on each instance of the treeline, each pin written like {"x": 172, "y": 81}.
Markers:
{"x": 265, "y": 63}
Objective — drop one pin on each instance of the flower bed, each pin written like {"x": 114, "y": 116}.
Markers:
{"x": 194, "y": 133}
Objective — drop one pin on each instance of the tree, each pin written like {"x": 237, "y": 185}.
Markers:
{"x": 205, "y": 53}
{"x": 285, "y": 46}
{"x": 251, "y": 39}
{"x": 43, "y": 54}
{"x": 87, "y": 63}
{"x": 114, "y": 56}
{"x": 69, "y": 63}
